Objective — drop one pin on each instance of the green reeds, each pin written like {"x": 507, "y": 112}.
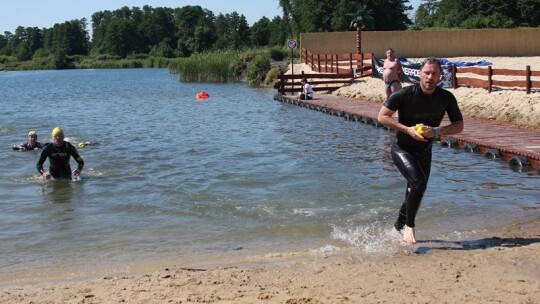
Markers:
{"x": 151, "y": 62}
{"x": 207, "y": 67}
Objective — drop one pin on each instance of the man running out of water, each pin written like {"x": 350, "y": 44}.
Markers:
{"x": 426, "y": 104}
{"x": 59, "y": 153}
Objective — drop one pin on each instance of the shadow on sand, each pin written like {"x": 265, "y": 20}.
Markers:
{"x": 425, "y": 246}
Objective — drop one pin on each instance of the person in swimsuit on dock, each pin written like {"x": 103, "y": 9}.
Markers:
{"x": 392, "y": 73}
{"x": 31, "y": 145}
{"x": 59, "y": 153}
{"x": 424, "y": 103}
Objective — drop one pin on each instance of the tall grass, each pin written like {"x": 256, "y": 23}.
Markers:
{"x": 207, "y": 67}
{"x": 93, "y": 63}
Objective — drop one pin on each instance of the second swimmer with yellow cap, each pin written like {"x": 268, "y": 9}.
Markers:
{"x": 59, "y": 153}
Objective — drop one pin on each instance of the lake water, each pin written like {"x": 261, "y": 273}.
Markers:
{"x": 173, "y": 177}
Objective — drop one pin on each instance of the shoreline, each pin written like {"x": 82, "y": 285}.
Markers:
{"x": 503, "y": 267}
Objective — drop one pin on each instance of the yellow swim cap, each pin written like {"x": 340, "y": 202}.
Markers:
{"x": 57, "y": 131}
{"x": 81, "y": 144}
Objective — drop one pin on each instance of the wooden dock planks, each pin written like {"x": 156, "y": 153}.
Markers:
{"x": 513, "y": 143}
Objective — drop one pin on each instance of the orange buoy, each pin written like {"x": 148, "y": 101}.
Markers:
{"x": 202, "y": 95}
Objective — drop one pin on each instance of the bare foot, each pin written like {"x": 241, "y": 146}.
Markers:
{"x": 408, "y": 235}
{"x": 397, "y": 236}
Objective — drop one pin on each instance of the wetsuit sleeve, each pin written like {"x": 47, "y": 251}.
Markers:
{"x": 396, "y": 100}
{"x": 77, "y": 157}
{"x": 454, "y": 113}
{"x": 41, "y": 160}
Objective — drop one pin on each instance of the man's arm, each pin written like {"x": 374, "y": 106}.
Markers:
{"x": 453, "y": 128}
{"x": 400, "y": 72}
{"x": 385, "y": 117}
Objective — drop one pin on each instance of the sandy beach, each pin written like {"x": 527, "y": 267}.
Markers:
{"x": 501, "y": 268}
{"x": 493, "y": 270}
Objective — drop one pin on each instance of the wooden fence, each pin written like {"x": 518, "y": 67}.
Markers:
{"x": 336, "y": 71}
{"x": 360, "y": 65}
{"x": 527, "y": 83}
{"x": 319, "y": 82}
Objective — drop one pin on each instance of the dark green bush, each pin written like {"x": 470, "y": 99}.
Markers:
{"x": 257, "y": 69}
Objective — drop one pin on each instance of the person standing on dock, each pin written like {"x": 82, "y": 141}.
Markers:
{"x": 421, "y": 108}
{"x": 392, "y": 73}
{"x": 307, "y": 90}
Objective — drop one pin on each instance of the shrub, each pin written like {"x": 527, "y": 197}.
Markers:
{"x": 277, "y": 53}
{"x": 257, "y": 69}
{"x": 272, "y": 76}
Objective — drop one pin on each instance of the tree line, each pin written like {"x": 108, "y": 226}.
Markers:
{"x": 470, "y": 14}
{"x": 181, "y": 32}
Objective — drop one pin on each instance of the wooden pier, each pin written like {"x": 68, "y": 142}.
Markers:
{"x": 519, "y": 146}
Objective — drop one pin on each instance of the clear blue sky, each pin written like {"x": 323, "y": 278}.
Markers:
{"x": 45, "y": 13}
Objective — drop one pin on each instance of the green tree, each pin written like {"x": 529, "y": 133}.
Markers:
{"x": 424, "y": 15}
{"x": 100, "y": 23}
{"x": 3, "y": 44}
{"x": 313, "y": 15}
{"x": 232, "y": 31}
{"x": 291, "y": 30}
{"x": 156, "y": 26}
{"x": 278, "y": 32}
{"x": 316, "y": 16}
{"x": 390, "y": 15}
{"x": 363, "y": 16}
{"x": 486, "y": 13}
{"x": 260, "y": 32}
{"x": 5, "y": 41}
{"x": 120, "y": 38}
{"x": 528, "y": 12}
{"x": 194, "y": 30}
{"x": 163, "y": 49}
{"x": 71, "y": 37}
{"x": 24, "y": 42}
{"x": 204, "y": 36}
{"x": 22, "y": 51}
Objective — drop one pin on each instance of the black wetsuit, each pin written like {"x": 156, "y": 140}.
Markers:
{"x": 412, "y": 157}
{"x": 27, "y": 146}
{"x": 59, "y": 159}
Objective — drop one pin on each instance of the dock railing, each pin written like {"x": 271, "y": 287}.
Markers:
{"x": 476, "y": 77}
{"x": 320, "y": 82}
{"x": 361, "y": 64}
{"x": 331, "y": 72}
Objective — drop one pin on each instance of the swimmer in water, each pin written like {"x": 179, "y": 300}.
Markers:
{"x": 31, "y": 145}
{"x": 59, "y": 153}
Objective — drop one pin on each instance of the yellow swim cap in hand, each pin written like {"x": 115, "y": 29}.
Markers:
{"x": 57, "y": 131}
{"x": 420, "y": 129}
